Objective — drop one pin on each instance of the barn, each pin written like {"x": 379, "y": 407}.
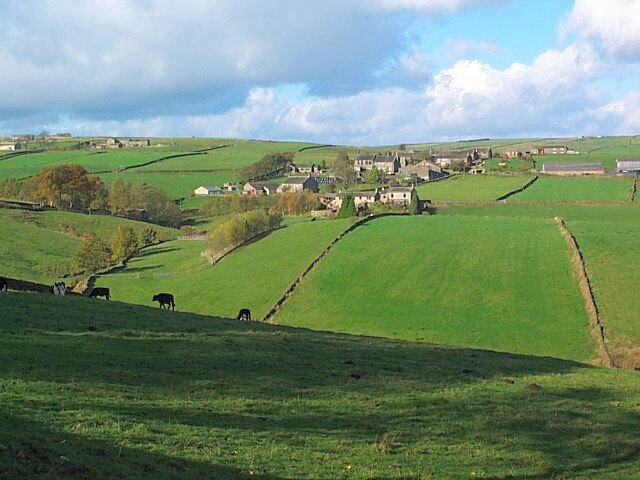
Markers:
{"x": 215, "y": 190}
{"x": 573, "y": 168}
{"x": 628, "y": 166}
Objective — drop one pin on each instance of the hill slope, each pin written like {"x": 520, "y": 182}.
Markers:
{"x": 498, "y": 283}
{"x": 101, "y": 390}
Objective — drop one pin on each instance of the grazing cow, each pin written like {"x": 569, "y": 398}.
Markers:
{"x": 100, "y": 292}
{"x": 244, "y": 314}
{"x": 59, "y": 289}
{"x": 3, "y": 285}
{"x": 165, "y": 299}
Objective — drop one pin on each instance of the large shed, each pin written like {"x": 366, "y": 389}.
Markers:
{"x": 573, "y": 168}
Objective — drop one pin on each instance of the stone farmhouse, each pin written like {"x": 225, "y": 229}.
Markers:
{"x": 445, "y": 159}
{"x": 259, "y": 188}
{"x": 573, "y": 168}
{"x": 550, "y": 150}
{"x": 426, "y": 171}
{"x": 628, "y": 166}
{"x": 208, "y": 191}
{"x": 298, "y": 184}
{"x": 113, "y": 142}
{"x": 307, "y": 168}
{"x": 387, "y": 196}
{"x": 390, "y": 164}
{"x": 10, "y": 146}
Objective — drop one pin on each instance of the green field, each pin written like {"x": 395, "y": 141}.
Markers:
{"x": 254, "y": 276}
{"x": 100, "y": 390}
{"x": 562, "y": 189}
{"x": 606, "y": 235}
{"x": 503, "y": 284}
{"x": 471, "y": 188}
{"x": 37, "y": 244}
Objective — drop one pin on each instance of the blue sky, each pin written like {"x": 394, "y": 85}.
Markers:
{"x": 337, "y": 71}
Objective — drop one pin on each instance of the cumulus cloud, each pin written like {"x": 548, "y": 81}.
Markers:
{"x": 470, "y": 99}
{"x": 612, "y": 24}
{"x": 121, "y": 58}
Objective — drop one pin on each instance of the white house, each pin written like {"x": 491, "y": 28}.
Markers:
{"x": 8, "y": 146}
{"x": 208, "y": 191}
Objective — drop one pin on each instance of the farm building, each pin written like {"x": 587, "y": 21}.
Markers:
{"x": 259, "y": 188}
{"x": 113, "y": 142}
{"x": 516, "y": 153}
{"x": 406, "y": 158}
{"x": 445, "y": 159}
{"x": 215, "y": 190}
{"x": 396, "y": 195}
{"x": 387, "y": 163}
{"x": 307, "y": 168}
{"x": 573, "y": 168}
{"x": 550, "y": 150}
{"x": 362, "y": 199}
{"x": 364, "y": 162}
{"x": 424, "y": 170}
{"x": 9, "y": 146}
{"x": 298, "y": 184}
{"x": 628, "y": 165}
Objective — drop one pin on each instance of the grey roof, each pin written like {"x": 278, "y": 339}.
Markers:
{"x": 372, "y": 193}
{"x": 572, "y": 166}
{"x": 365, "y": 156}
{"x": 399, "y": 190}
{"x": 631, "y": 163}
{"x": 295, "y": 180}
{"x": 452, "y": 155}
{"x": 260, "y": 185}
{"x": 214, "y": 187}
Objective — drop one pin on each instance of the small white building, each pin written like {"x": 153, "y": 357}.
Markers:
{"x": 208, "y": 191}
{"x": 9, "y": 146}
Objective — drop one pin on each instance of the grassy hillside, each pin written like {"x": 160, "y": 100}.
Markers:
{"x": 37, "y": 244}
{"x": 551, "y": 189}
{"x": 471, "y": 188}
{"x": 504, "y": 284}
{"x": 607, "y": 235}
{"x": 254, "y": 276}
{"x": 100, "y": 390}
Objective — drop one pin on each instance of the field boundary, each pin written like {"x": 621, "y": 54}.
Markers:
{"x": 314, "y": 146}
{"x": 634, "y": 189}
{"x": 518, "y": 190}
{"x": 278, "y": 305}
{"x": 14, "y": 154}
{"x": 586, "y": 289}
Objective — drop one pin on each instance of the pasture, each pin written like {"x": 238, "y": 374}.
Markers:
{"x": 253, "y": 276}
{"x": 123, "y": 391}
{"x": 470, "y": 188}
{"x": 497, "y": 283}
{"x": 38, "y": 246}
{"x": 574, "y": 189}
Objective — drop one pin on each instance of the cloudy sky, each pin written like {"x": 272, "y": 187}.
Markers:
{"x": 360, "y": 72}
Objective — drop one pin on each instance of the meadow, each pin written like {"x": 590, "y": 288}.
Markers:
{"x": 445, "y": 288}
{"x": 253, "y": 276}
{"x": 39, "y": 245}
{"x": 124, "y": 391}
{"x": 470, "y": 188}
{"x": 588, "y": 189}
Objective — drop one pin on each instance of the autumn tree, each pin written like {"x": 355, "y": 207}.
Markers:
{"x": 93, "y": 255}
{"x": 68, "y": 187}
{"x": 343, "y": 170}
{"x": 124, "y": 242}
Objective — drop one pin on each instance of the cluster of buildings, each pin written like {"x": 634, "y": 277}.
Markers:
{"x": 384, "y": 196}
{"x": 542, "y": 150}
{"x": 113, "y": 142}
{"x": 307, "y": 183}
{"x": 399, "y": 163}
{"x": 627, "y": 166}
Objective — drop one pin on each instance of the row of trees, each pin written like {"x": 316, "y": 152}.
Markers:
{"x": 95, "y": 253}
{"x": 289, "y": 203}
{"x": 238, "y": 229}
{"x": 270, "y": 165}
{"x": 71, "y": 187}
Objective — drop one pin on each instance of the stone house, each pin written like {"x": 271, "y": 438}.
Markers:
{"x": 259, "y": 188}
{"x": 298, "y": 184}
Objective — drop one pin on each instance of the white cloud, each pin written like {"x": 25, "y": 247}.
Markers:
{"x": 464, "y": 48}
{"x": 470, "y": 99}
{"x": 612, "y": 24}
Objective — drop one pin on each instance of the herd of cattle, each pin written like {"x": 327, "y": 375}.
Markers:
{"x": 165, "y": 300}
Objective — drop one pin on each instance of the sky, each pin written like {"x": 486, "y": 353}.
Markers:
{"x": 355, "y": 72}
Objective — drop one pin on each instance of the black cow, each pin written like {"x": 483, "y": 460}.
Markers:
{"x": 165, "y": 299}
{"x": 100, "y": 292}
{"x": 3, "y": 285}
{"x": 244, "y": 314}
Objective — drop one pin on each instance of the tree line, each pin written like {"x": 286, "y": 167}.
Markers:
{"x": 71, "y": 187}
{"x": 238, "y": 229}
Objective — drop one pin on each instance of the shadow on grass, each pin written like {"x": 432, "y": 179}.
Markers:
{"x": 187, "y": 378}
{"x": 30, "y": 450}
